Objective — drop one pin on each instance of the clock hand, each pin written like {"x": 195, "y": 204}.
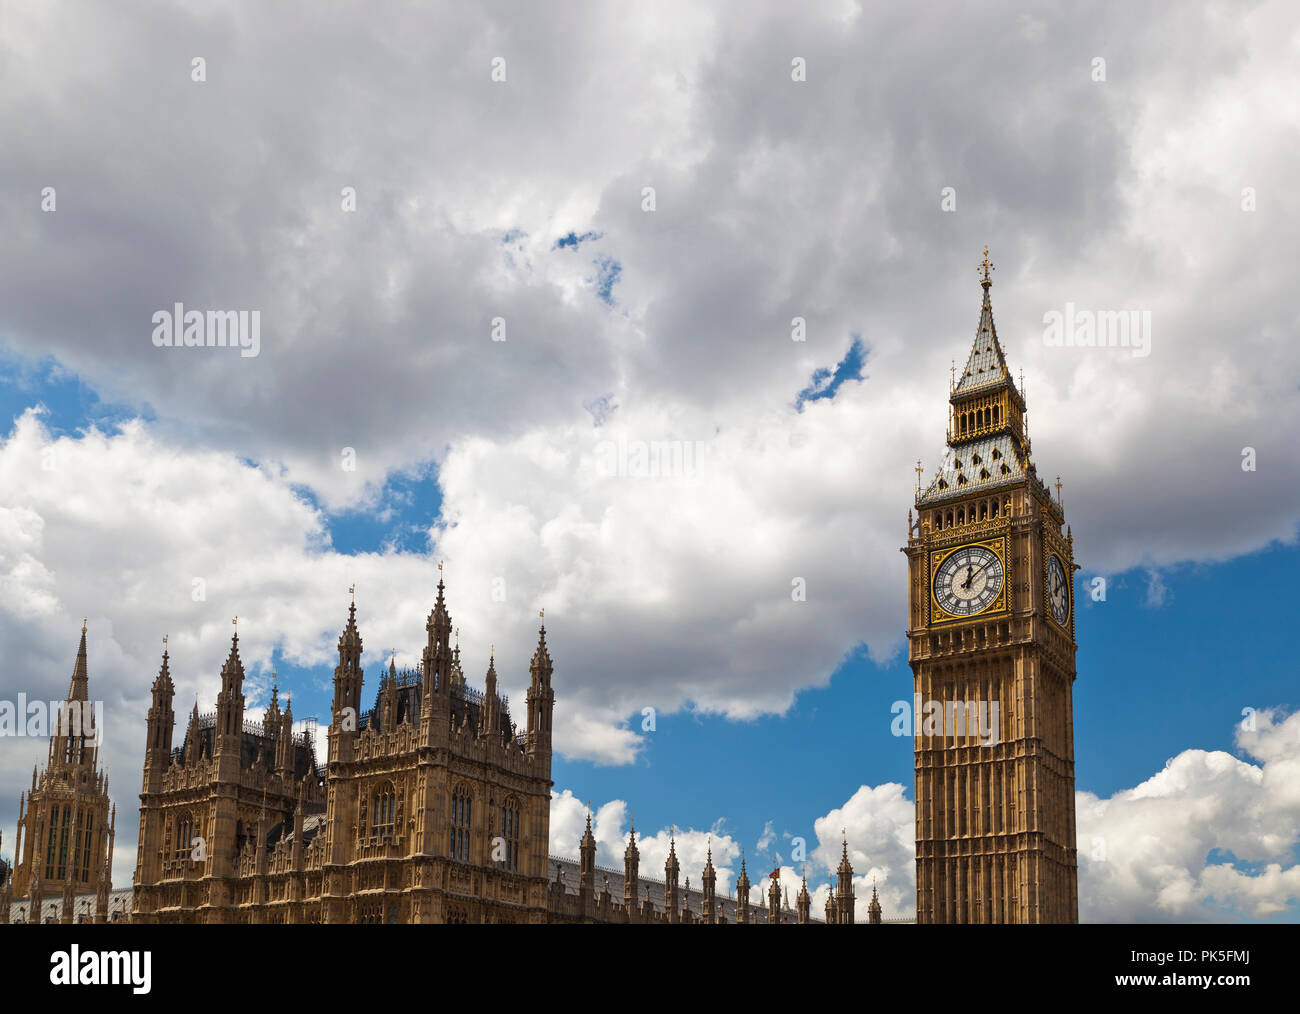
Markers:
{"x": 970, "y": 576}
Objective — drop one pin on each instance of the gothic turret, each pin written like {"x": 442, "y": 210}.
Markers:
{"x": 844, "y": 897}
{"x": 803, "y": 902}
{"x": 541, "y": 703}
{"x": 774, "y": 897}
{"x": 230, "y": 702}
{"x": 631, "y": 871}
{"x": 284, "y": 757}
{"x": 742, "y": 892}
{"x": 491, "y": 720}
{"x": 160, "y": 726}
{"x": 671, "y": 869}
{"x": 873, "y": 910}
{"x": 457, "y": 673}
{"x": 437, "y": 650}
{"x": 348, "y": 677}
{"x": 708, "y": 911}
{"x": 587, "y": 862}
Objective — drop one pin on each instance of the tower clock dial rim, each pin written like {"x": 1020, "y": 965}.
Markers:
{"x": 968, "y": 580}
{"x": 1058, "y": 589}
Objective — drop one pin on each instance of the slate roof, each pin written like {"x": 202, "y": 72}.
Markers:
{"x": 969, "y": 460}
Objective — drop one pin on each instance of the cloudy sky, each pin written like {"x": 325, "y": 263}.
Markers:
{"x": 505, "y": 255}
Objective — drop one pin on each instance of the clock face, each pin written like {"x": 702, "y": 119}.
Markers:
{"x": 1058, "y": 589}
{"x": 968, "y": 581}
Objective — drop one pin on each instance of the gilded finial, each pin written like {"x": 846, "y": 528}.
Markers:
{"x": 235, "y": 621}
{"x": 1059, "y": 501}
{"x": 83, "y": 624}
{"x": 986, "y": 265}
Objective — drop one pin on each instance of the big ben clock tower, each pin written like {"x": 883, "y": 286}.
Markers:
{"x": 991, "y": 645}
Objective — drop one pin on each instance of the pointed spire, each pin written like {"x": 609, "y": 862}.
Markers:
{"x": 540, "y": 666}
{"x": 350, "y": 634}
{"x": 78, "y": 689}
{"x": 233, "y": 665}
{"x": 986, "y": 364}
{"x": 457, "y": 673}
{"x": 163, "y": 682}
{"x": 844, "y": 859}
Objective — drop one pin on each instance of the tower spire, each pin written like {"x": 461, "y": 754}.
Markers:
{"x": 988, "y": 444}
{"x": 78, "y": 688}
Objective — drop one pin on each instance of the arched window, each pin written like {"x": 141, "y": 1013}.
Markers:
{"x": 81, "y": 846}
{"x": 963, "y": 422}
{"x": 384, "y": 809}
{"x": 461, "y": 812}
{"x": 510, "y": 832}
{"x": 184, "y": 835}
{"x": 995, "y": 415}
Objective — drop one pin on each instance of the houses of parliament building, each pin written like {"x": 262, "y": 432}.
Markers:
{"x": 433, "y": 805}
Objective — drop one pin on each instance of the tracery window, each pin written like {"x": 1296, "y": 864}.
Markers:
{"x": 461, "y": 806}
{"x": 184, "y": 835}
{"x": 81, "y": 847}
{"x": 384, "y": 809}
{"x": 510, "y": 832}
{"x": 56, "y": 856}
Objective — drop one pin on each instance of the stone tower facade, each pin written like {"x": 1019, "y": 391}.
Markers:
{"x": 992, "y": 651}
{"x": 66, "y": 822}
{"x": 433, "y": 807}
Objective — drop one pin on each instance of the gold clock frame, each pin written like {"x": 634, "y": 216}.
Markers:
{"x": 998, "y": 546}
{"x": 1055, "y": 546}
